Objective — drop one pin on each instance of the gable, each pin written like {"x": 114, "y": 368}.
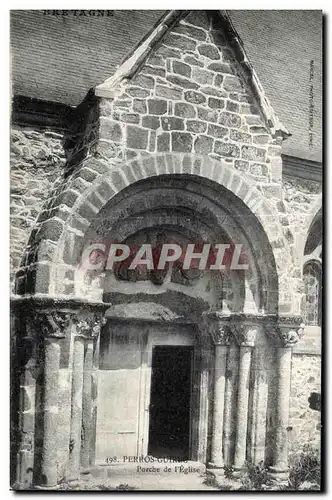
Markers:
{"x": 196, "y": 51}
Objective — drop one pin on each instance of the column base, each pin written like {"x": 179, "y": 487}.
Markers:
{"x": 72, "y": 479}
{"x": 217, "y": 470}
{"x": 85, "y": 473}
{"x": 213, "y": 465}
{"x": 278, "y": 475}
{"x": 46, "y": 488}
{"x": 238, "y": 472}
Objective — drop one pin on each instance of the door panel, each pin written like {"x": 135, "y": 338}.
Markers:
{"x": 124, "y": 385}
{"x": 118, "y": 398}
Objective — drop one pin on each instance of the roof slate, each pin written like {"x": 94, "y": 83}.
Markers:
{"x": 280, "y": 45}
{"x": 57, "y": 58}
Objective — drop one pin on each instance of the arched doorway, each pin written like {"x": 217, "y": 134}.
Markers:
{"x": 149, "y": 308}
{"x": 228, "y": 321}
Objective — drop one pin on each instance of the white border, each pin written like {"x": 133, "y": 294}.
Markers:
{"x": 4, "y": 184}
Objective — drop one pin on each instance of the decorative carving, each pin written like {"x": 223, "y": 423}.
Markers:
{"x": 156, "y": 238}
{"x": 221, "y": 334}
{"x": 285, "y": 331}
{"x": 89, "y": 326}
{"x": 51, "y": 323}
{"x": 217, "y": 326}
{"x": 245, "y": 334}
{"x": 290, "y": 336}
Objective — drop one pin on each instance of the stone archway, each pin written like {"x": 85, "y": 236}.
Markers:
{"x": 62, "y": 226}
{"x": 71, "y": 321}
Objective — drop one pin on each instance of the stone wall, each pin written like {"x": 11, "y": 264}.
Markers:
{"x": 304, "y": 422}
{"x": 299, "y": 198}
{"x": 37, "y": 158}
{"x": 189, "y": 97}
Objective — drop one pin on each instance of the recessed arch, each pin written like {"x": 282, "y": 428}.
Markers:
{"x": 312, "y": 301}
{"x": 314, "y": 218}
{"x": 69, "y": 224}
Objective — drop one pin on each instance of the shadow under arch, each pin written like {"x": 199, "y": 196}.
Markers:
{"x": 237, "y": 196}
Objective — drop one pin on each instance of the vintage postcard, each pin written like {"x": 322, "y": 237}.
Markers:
{"x": 166, "y": 250}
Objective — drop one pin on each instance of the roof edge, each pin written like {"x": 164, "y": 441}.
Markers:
{"x": 250, "y": 76}
{"x": 111, "y": 86}
{"x": 137, "y": 57}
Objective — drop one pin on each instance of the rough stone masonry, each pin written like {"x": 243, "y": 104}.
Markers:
{"x": 185, "y": 106}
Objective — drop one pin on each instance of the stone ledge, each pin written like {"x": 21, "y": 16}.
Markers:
{"x": 302, "y": 168}
{"x": 32, "y": 302}
{"x": 28, "y": 111}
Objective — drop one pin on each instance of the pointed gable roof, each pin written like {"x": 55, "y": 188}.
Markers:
{"x": 221, "y": 22}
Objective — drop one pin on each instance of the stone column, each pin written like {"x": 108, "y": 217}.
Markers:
{"x": 205, "y": 364}
{"x": 285, "y": 336}
{"x": 220, "y": 333}
{"x": 242, "y": 407}
{"x": 87, "y": 330}
{"x": 87, "y": 406}
{"x": 94, "y": 396}
{"x": 53, "y": 326}
{"x": 91, "y": 329}
{"x": 230, "y": 403}
{"x": 245, "y": 337}
{"x": 24, "y": 373}
{"x": 284, "y": 360}
{"x": 218, "y": 407}
{"x": 76, "y": 408}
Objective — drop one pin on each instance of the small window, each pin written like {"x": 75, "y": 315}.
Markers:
{"x": 312, "y": 288}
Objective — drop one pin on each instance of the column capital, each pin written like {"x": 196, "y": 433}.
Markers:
{"x": 245, "y": 335}
{"x": 285, "y": 331}
{"x": 51, "y": 324}
{"x": 244, "y": 328}
{"x": 89, "y": 325}
{"x": 217, "y": 325}
{"x": 223, "y": 328}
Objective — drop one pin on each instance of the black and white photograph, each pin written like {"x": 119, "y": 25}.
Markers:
{"x": 166, "y": 250}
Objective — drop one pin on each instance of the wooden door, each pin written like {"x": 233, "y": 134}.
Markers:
{"x": 119, "y": 396}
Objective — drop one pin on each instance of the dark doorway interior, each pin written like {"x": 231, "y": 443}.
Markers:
{"x": 169, "y": 424}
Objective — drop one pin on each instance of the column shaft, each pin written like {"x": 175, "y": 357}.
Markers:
{"x": 87, "y": 405}
{"x": 242, "y": 407}
{"x": 218, "y": 406}
{"x": 76, "y": 409}
{"x": 284, "y": 356}
{"x": 48, "y": 468}
{"x": 230, "y": 402}
{"x": 94, "y": 396}
{"x": 204, "y": 404}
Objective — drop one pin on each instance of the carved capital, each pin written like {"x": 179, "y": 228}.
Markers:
{"x": 218, "y": 328}
{"x": 89, "y": 326}
{"x": 285, "y": 331}
{"x": 245, "y": 334}
{"x": 51, "y": 324}
{"x": 221, "y": 334}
